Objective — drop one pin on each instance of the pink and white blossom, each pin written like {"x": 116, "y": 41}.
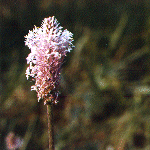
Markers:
{"x": 49, "y": 45}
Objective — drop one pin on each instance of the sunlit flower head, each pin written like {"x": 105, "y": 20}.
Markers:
{"x": 49, "y": 45}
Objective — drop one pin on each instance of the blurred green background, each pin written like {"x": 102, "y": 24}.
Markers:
{"x": 104, "y": 101}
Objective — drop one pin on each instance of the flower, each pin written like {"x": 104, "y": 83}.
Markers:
{"x": 49, "y": 45}
{"x": 13, "y": 142}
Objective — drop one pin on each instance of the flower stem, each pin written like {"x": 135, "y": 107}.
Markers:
{"x": 50, "y": 126}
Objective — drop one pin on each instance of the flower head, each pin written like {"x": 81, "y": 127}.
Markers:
{"x": 13, "y": 142}
{"x": 49, "y": 45}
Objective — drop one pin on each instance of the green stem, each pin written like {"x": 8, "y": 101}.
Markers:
{"x": 50, "y": 126}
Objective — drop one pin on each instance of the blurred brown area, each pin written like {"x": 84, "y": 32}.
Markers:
{"x": 104, "y": 101}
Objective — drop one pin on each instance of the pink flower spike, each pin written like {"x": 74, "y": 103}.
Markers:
{"x": 49, "y": 45}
